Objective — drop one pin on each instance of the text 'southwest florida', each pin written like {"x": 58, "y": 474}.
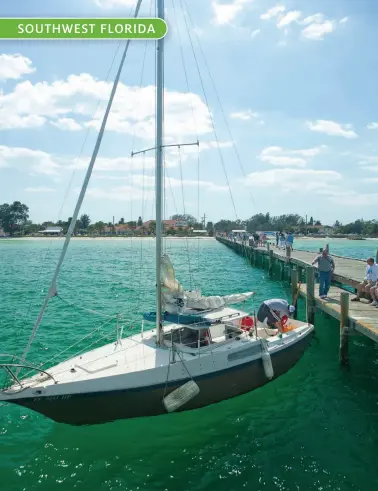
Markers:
{"x": 89, "y": 28}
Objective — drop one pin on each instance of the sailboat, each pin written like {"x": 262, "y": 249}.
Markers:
{"x": 201, "y": 350}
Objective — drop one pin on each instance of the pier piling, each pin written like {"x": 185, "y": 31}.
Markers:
{"x": 344, "y": 324}
{"x": 271, "y": 261}
{"x": 310, "y": 297}
{"x": 294, "y": 290}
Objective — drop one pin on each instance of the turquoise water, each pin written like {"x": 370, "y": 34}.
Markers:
{"x": 315, "y": 428}
{"x": 359, "y": 249}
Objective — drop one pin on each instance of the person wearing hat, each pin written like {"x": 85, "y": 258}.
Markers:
{"x": 272, "y": 312}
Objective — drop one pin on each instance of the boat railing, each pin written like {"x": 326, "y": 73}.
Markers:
{"x": 12, "y": 382}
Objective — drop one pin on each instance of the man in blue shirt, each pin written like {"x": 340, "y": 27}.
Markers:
{"x": 290, "y": 240}
{"x": 326, "y": 267}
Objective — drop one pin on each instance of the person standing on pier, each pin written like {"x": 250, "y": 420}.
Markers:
{"x": 370, "y": 280}
{"x": 326, "y": 267}
{"x": 277, "y": 238}
{"x": 290, "y": 240}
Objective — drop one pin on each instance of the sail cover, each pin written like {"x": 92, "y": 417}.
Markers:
{"x": 177, "y": 300}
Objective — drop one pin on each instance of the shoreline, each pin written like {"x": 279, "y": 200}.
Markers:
{"x": 169, "y": 237}
{"x": 104, "y": 238}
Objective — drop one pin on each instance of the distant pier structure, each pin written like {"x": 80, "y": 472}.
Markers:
{"x": 295, "y": 266}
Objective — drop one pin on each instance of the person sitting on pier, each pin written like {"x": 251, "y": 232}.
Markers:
{"x": 326, "y": 267}
{"x": 273, "y": 312}
{"x": 370, "y": 280}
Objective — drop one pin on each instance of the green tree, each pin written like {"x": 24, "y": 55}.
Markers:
{"x": 311, "y": 222}
{"x": 99, "y": 227}
{"x": 132, "y": 224}
{"x": 31, "y": 228}
{"x": 13, "y": 217}
{"x": 121, "y": 221}
{"x": 84, "y": 221}
{"x": 140, "y": 222}
{"x": 189, "y": 219}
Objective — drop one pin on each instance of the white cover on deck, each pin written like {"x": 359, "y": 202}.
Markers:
{"x": 176, "y": 300}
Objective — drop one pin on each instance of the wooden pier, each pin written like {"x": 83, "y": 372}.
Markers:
{"x": 295, "y": 266}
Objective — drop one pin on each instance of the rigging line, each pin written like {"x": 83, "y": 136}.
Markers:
{"x": 219, "y": 102}
{"x": 194, "y": 120}
{"x": 141, "y": 84}
{"x": 37, "y": 281}
{"x": 91, "y": 311}
{"x": 141, "y": 240}
{"x": 198, "y": 205}
{"x": 183, "y": 207}
{"x": 75, "y": 344}
{"x": 52, "y": 290}
{"x": 173, "y": 197}
{"x": 210, "y": 115}
{"x": 133, "y": 143}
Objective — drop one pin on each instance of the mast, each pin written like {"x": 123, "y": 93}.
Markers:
{"x": 159, "y": 165}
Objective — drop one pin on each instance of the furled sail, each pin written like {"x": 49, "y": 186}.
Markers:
{"x": 177, "y": 300}
{"x": 168, "y": 277}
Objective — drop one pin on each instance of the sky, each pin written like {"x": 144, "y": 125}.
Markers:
{"x": 280, "y": 96}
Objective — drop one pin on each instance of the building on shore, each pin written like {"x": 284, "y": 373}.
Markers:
{"x": 52, "y": 231}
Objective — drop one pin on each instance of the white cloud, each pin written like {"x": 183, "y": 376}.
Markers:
{"x": 10, "y": 120}
{"x": 317, "y": 18}
{"x": 372, "y": 126}
{"x": 368, "y": 162}
{"x": 354, "y": 199}
{"x": 66, "y": 124}
{"x": 24, "y": 159}
{"x": 296, "y": 180}
{"x": 225, "y": 13}
{"x": 273, "y": 12}
{"x": 343, "y": 20}
{"x": 255, "y": 33}
{"x": 31, "y": 105}
{"x": 318, "y": 31}
{"x": 332, "y": 128}
{"x": 120, "y": 193}
{"x": 141, "y": 180}
{"x": 244, "y": 115}
{"x": 281, "y": 157}
{"x": 14, "y": 66}
{"x": 141, "y": 187}
{"x": 108, "y": 4}
{"x": 40, "y": 189}
{"x": 288, "y": 18}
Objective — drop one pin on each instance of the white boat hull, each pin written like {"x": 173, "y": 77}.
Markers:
{"x": 220, "y": 376}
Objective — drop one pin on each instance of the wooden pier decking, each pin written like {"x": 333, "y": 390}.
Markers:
{"x": 349, "y": 272}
